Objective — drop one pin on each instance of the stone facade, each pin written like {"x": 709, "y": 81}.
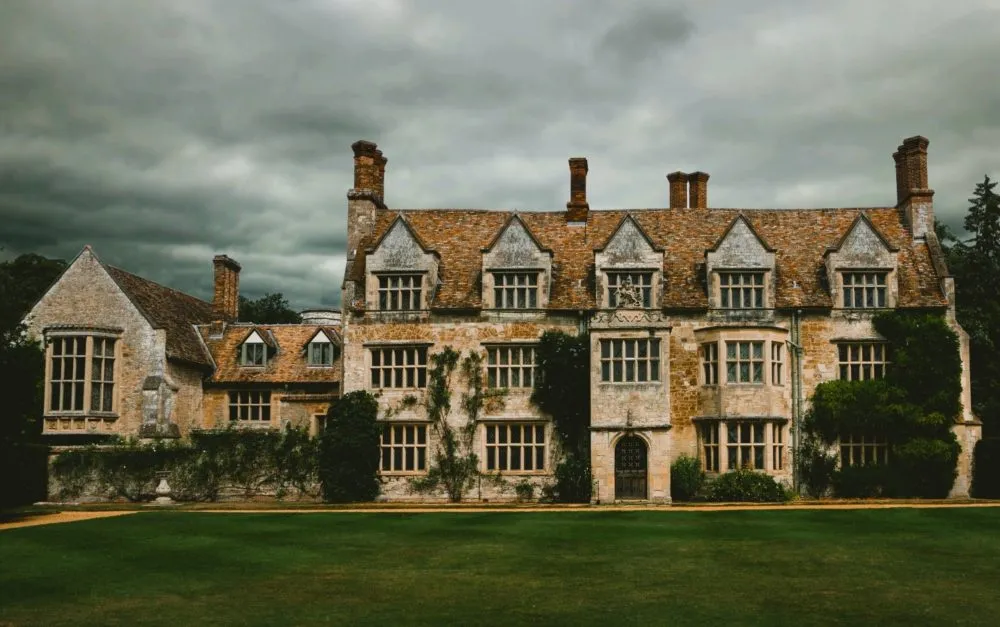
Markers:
{"x": 709, "y": 328}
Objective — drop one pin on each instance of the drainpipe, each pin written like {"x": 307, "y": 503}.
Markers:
{"x": 796, "y": 350}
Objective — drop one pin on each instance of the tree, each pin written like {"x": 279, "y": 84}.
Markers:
{"x": 983, "y": 220}
{"x": 268, "y": 309}
{"x": 349, "y": 450}
{"x": 22, "y": 457}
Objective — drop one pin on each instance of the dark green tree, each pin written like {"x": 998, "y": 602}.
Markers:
{"x": 268, "y": 309}
{"x": 22, "y": 456}
{"x": 349, "y": 450}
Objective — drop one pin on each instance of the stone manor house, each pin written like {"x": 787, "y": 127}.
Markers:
{"x": 709, "y": 329}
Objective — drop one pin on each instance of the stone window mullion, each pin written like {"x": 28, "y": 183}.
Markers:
{"x": 88, "y": 369}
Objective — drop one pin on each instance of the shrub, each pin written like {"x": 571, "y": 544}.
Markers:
{"x": 28, "y": 462}
{"x": 746, "y": 485}
{"x": 525, "y": 490}
{"x": 686, "y": 478}
{"x": 573, "y": 482}
{"x": 349, "y": 450}
{"x": 986, "y": 469}
{"x": 924, "y": 467}
{"x": 74, "y": 470}
{"x": 859, "y": 482}
{"x": 816, "y": 467}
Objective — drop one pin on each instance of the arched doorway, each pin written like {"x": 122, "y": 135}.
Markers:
{"x": 630, "y": 468}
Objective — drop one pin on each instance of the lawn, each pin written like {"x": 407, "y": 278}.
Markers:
{"x": 877, "y": 567}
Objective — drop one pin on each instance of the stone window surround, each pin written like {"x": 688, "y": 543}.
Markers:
{"x": 334, "y": 352}
{"x": 389, "y": 392}
{"x": 538, "y": 287}
{"x": 542, "y": 284}
{"x": 891, "y": 287}
{"x": 90, "y": 333}
{"x": 662, "y": 375}
{"x": 261, "y": 399}
{"x": 509, "y": 424}
{"x": 715, "y": 287}
{"x": 655, "y": 282}
{"x": 421, "y": 289}
{"x": 389, "y": 428}
{"x": 771, "y": 425}
{"x": 721, "y": 335}
{"x": 754, "y": 286}
{"x": 885, "y": 362}
{"x": 511, "y": 344}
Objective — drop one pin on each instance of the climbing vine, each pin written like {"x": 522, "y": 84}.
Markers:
{"x": 454, "y": 466}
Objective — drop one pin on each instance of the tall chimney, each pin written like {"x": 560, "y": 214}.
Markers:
{"x": 577, "y": 207}
{"x": 226, "y": 301}
{"x": 678, "y": 190}
{"x": 698, "y": 189}
{"x": 365, "y": 198}
{"x": 916, "y": 203}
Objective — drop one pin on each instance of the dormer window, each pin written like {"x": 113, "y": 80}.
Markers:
{"x": 321, "y": 352}
{"x": 253, "y": 351}
{"x": 864, "y": 290}
{"x": 630, "y": 289}
{"x": 515, "y": 290}
{"x": 741, "y": 290}
{"x": 399, "y": 292}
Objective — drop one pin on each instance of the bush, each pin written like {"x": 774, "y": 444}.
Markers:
{"x": 74, "y": 471}
{"x": 524, "y": 490}
{"x": 816, "y": 468}
{"x": 860, "y": 482}
{"x": 924, "y": 468}
{"x": 986, "y": 469}
{"x": 349, "y": 450}
{"x": 686, "y": 478}
{"x": 746, "y": 485}
{"x": 573, "y": 482}
{"x": 26, "y": 467}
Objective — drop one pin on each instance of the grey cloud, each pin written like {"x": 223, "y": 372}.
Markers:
{"x": 163, "y": 132}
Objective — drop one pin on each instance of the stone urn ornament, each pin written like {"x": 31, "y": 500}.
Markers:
{"x": 163, "y": 491}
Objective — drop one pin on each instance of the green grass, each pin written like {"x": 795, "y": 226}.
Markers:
{"x": 876, "y": 567}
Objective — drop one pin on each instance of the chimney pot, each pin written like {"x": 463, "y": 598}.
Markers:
{"x": 226, "y": 299}
{"x": 577, "y": 207}
{"x": 698, "y": 190}
{"x": 678, "y": 190}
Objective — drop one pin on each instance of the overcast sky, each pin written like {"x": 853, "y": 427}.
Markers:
{"x": 163, "y": 132}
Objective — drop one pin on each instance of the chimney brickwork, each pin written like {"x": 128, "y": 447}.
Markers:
{"x": 678, "y": 190}
{"x": 914, "y": 198}
{"x": 226, "y": 300}
{"x": 577, "y": 208}
{"x": 698, "y": 190}
{"x": 365, "y": 198}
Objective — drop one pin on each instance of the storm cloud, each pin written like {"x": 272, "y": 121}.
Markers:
{"x": 163, "y": 133}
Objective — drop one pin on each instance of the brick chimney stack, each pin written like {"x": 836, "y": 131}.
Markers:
{"x": 577, "y": 207}
{"x": 226, "y": 301}
{"x": 698, "y": 189}
{"x": 678, "y": 190}
{"x": 913, "y": 196}
{"x": 365, "y": 198}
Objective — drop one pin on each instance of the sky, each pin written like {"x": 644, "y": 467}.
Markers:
{"x": 165, "y": 132}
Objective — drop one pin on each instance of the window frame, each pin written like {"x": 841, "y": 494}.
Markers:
{"x": 420, "y": 432}
{"x": 777, "y": 362}
{"x": 504, "y": 446}
{"x": 87, "y": 381}
{"x": 646, "y": 289}
{"x": 310, "y": 354}
{"x": 415, "y": 294}
{"x": 244, "y": 357}
{"x": 880, "y": 293}
{"x": 709, "y": 362}
{"x": 651, "y": 363}
{"x": 715, "y": 447}
{"x": 877, "y": 369}
{"x": 750, "y": 361}
{"x": 729, "y": 289}
{"x": 861, "y": 445}
{"x": 255, "y": 399}
{"x": 523, "y": 368}
{"x": 420, "y": 370}
{"x": 530, "y": 290}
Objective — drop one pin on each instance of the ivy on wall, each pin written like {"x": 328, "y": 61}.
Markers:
{"x": 912, "y": 409}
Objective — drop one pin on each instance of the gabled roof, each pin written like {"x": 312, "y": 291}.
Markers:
{"x": 329, "y": 332}
{"x": 171, "y": 310}
{"x": 863, "y": 218}
{"x": 515, "y": 218}
{"x": 264, "y": 335}
{"x": 740, "y": 218}
{"x": 629, "y": 219}
{"x": 409, "y": 229}
{"x": 287, "y": 365}
{"x": 798, "y": 236}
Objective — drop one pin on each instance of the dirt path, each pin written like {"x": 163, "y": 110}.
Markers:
{"x": 59, "y": 517}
